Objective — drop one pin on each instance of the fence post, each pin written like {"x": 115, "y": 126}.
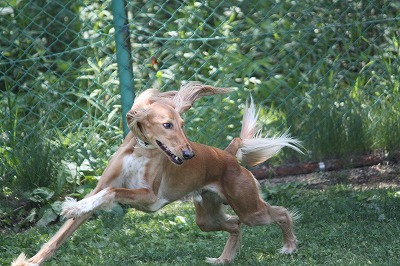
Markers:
{"x": 123, "y": 47}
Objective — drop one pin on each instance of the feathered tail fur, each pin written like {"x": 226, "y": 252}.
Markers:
{"x": 256, "y": 149}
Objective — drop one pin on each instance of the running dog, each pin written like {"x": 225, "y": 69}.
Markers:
{"x": 156, "y": 165}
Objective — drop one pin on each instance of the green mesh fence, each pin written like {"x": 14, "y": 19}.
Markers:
{"x": 60, "y": 101}
{"x": 327, "y": 71}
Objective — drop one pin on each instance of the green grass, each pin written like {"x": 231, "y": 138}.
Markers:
{"x": 340, "y": 225}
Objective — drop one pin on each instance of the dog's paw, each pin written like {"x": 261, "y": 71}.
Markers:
{"x": 74, "y": 209}
{"x": 216, "y": 261}
{"x": 289, "y": 248}
{"x": 71, "y": 208}
{"x": 21, "y": 261}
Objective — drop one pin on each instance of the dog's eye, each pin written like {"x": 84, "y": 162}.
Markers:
{"x": 167, "y": 125}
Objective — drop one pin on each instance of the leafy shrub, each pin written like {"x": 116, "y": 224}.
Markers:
{"x": 33, "y": 163}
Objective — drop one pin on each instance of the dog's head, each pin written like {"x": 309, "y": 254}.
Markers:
{"x": 155, "y": 118}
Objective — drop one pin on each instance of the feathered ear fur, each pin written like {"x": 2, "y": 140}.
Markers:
{"x": 139, "y": 110}
{"x": 191, "y": 91}
{"x": 134, "y": 117}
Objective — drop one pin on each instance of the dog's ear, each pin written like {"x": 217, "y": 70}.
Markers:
{"x": 134, "y": 119}
{"x": 139, "y": 111}
{"x": 191, "y": 91}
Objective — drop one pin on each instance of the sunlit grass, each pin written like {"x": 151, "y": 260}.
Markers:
{"x": 339, "y": 226}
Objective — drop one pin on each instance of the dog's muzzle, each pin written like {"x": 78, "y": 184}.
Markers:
{"x": 186, "y": 154}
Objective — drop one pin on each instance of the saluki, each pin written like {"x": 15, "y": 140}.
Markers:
{"x": 156, "y": 165}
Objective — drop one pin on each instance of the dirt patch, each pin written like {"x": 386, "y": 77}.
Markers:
{"x": 382, "y": 175}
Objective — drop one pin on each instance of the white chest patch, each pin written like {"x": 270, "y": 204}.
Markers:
{"x": 136, "y": 173}
{"x": 133, "y": 173}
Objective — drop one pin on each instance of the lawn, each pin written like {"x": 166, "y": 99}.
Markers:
{"x": 340, "y": 225}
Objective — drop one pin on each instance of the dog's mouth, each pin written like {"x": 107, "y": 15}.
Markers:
{"x": 175, "y": 159}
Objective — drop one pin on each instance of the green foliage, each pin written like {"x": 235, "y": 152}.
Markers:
{"x": 32, "y": 163}
{"x": 59, "y": 99}
{"x": 325, "y": 70}
{"x": 282, "y": 192}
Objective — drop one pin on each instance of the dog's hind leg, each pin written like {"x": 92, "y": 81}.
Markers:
{"x": 275, "y": 214}
{"x": 252, "y": 210}
{"x": 210, "y": 216}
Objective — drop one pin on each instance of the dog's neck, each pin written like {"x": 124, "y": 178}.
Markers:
{"x": 144, "y": 144}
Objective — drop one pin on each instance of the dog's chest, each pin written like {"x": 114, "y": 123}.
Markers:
{"x": 135, "y": 173}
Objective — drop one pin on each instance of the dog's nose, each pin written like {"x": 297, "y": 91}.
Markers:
{"x": 187, "y": 154}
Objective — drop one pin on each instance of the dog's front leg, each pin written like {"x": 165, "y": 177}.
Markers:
{"x": 142, "y": 199}
{"x": 53, "y": 244}
{"x": 72, "y": 208}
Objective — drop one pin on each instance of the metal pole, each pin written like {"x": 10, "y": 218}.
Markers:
{"x": 123, "y": 47}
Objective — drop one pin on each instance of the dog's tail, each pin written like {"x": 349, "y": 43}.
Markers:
{"x": 255, "y": 149}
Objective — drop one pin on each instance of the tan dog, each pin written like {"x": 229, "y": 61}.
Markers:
{"x": 156, "y": 165}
